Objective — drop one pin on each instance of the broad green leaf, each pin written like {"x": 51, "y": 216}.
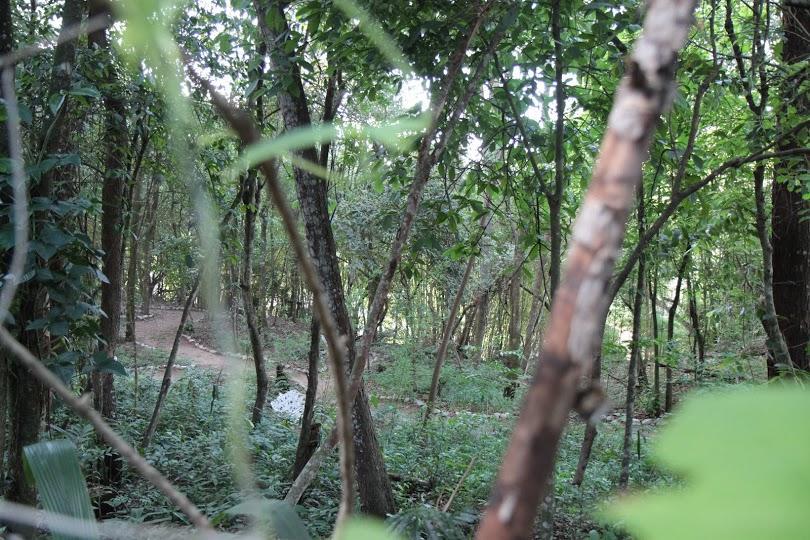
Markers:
{"x": 55, "y": 468}
{"x": 743, "y": 456}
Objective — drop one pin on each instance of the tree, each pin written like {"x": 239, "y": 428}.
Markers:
{"x": 374, "y": 486}
{"x": 790, "y": 228}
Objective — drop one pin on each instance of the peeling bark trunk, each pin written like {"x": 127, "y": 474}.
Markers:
{"x": 581, "y": 302}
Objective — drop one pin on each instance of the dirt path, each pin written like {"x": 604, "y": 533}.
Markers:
{"x": 158, "y": 332}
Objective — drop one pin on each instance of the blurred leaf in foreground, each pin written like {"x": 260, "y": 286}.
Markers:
{"x": 743, "y": 458}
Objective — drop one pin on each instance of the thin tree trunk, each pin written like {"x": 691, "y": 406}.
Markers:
{"x": 446, "y": 335}
{"x": 136, "y": 205}
{"x": 146, "y": 440}
{"x": 653, "y": 290}
{"x": 538, "y": 300}
{"x": 635, "y": 353}
{"x": 673, "y": 309}
{"x": 777, "y": 347}
{"x": 515, "y": 312}
{"x": 251, "y": 200}
{"x": 151, "y": 220}
{"x": 590, "y": 429}
{"x": 694, "y": 317}
{"x": 309, "y": 438}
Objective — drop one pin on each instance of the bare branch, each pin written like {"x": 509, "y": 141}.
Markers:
{"x": 581, "y": 302}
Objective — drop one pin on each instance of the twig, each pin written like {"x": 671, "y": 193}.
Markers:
{"x": 20, "y": 209}
{"x": 460, "y": 482}
{"x": 246, "y": 130}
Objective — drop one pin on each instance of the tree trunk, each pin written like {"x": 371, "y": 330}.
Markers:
{"x": 27, "y": 395}
{"x": 777, "y": 347}
{"x": 251, "y": 198}
{"x": 635, "y": 353}
{"x": 167, "y": 372}
{"x": 151, "y": 220}
{"x": 115, "y": 172}
{"x": 446, "y": 335}
{"x": 310, "y": 435}
{"x": 538, "y": 301}
{"x": 790, "y": 228}
{"x": 513, "y": 344}
{"x": 376, "y": 496}
{"x": 694, "y": 317}
{"x": 136, "y": 205}
{"x": 673, "y": 309}
{"x": 653, "y": 291}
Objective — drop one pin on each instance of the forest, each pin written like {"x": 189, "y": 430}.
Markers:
{"x": 404, "y": 269}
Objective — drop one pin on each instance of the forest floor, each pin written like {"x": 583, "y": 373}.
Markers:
{"x": 158, "y": 332}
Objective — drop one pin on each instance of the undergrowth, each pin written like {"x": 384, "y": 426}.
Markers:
{"x": 426, "y": 462}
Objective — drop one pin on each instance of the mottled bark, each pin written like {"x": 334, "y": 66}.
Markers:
{"x": 581, "y": 301}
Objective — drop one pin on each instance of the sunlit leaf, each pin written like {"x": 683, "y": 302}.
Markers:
{"x": 743, "y": 457}
{"x": 55, "y": 468}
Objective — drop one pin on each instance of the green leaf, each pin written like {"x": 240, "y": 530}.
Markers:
{"x": 743, "y": 455}
{"x": 103, "y": 363}
{"x": 277, "y": 514}
{"x": 55, "y": 102}
{"x": 57, "y": 474}
{"x": 86, "y": 91}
